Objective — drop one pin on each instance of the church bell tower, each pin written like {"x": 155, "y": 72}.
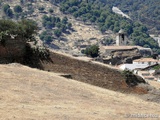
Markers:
{"x": 121, "y": 39}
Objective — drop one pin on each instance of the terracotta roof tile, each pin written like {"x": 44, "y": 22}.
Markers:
{"x": 120, "y": 47}
{"x": 145, "y": 60}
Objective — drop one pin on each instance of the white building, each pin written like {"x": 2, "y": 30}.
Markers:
{"x": 139, "y": 63}
{"x": 146, "y": 61}
{"x": 146, "y": 75}
{"x": 132, "y": 66}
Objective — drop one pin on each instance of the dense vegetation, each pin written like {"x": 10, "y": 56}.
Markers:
{"x": 92, "y": 51}
{"x": 7, "y": 10}
{"x": 58, "y": 25}
{"x": 100, "y": 13}
{"x": 96, "y": 12}
{"x": 24, "y": 29}
{"x": 132, "y": 79}
{"x": 145, "y": 11}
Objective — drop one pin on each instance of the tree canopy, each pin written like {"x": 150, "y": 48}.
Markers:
{"x": 18, "y": 9}
{"x": 92, "y": 51}
{"x": 24, "y": 29}
{"x": 7, "y": 10}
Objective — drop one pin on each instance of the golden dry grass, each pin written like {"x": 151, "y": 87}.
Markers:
{"x": 31, "y": 94}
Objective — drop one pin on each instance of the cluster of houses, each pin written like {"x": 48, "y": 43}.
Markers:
{"x": 145, "y": 66}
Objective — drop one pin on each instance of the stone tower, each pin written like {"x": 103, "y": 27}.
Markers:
{"x": 121, "y": 39}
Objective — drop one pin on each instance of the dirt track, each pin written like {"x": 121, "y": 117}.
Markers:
{"x": 31, "y": 94}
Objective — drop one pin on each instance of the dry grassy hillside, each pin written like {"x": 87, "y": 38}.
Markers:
{"x": 31, "y": 94}
{"x": 82, "y": 34}
{"x": 92, "y": 73}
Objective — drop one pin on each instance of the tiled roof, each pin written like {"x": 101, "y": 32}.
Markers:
{"x": 147, "y": 77}
{"x": 145, "y": 60}
{"x": 143, "y": 72}
{"x": 120, "y": 47}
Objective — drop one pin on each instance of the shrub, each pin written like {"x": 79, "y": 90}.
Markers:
{"x": 18, "y": 9}
{"x": 92, "y": 51}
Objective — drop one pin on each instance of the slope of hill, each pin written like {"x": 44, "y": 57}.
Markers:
{"x": 88, "y": 18}
{"x": 33, "y": 94}
{"x": 93, "y": 73}
{"x": 145, "y": 11}
{"x": 81, "y": 33}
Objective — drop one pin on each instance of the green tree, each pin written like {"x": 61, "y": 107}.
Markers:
{"x": 9, "y": 12}
{"x": 69, "y": 25}
{"x": 5, "y": 8}
{"x": 93, "y": 19}
{"x": 63, "y": 28}
{"x": 28, "y": 28}
{"x": 51, "y": 10}
{"x": 57, "y": 32}
{"x": 22, "y": 2}
{"x": 18, "y": 9}
{"x": 92, "y": 51}
{"x": 65, "y": 20}
{"x": 24, "y": 29}
{"x": 41, "y": 8}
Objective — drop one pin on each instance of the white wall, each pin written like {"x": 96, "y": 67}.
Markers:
{"x": 145, "y": 63}
{"x": 119, "y": 40}
{"x": 132, "y": 66}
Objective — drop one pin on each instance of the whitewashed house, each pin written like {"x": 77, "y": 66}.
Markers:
{"x": 132, "y": 67}
{"x": 144, "y": 67}
{"x": 146, "y": 75}
{"x": 139, "y": 64}
{"x": 145, "y": 61}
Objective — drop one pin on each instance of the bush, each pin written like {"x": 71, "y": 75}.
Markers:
{"x": 41, "y": 8}
{"x": 57, "y": 33}
{"x": 18, "y": 9}
{"x": 92, "y": 51}
{"x": 50, "y": 10}
{"x": 46, "y": 37}
{"x": 61, "y": 25}
{"x": 7, "y": 10}
{"x": 131, "y": 79}
{"x": 24, "y": 29}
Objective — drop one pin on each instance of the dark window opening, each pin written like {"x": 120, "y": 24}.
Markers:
{"x": 123, "y": 37}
